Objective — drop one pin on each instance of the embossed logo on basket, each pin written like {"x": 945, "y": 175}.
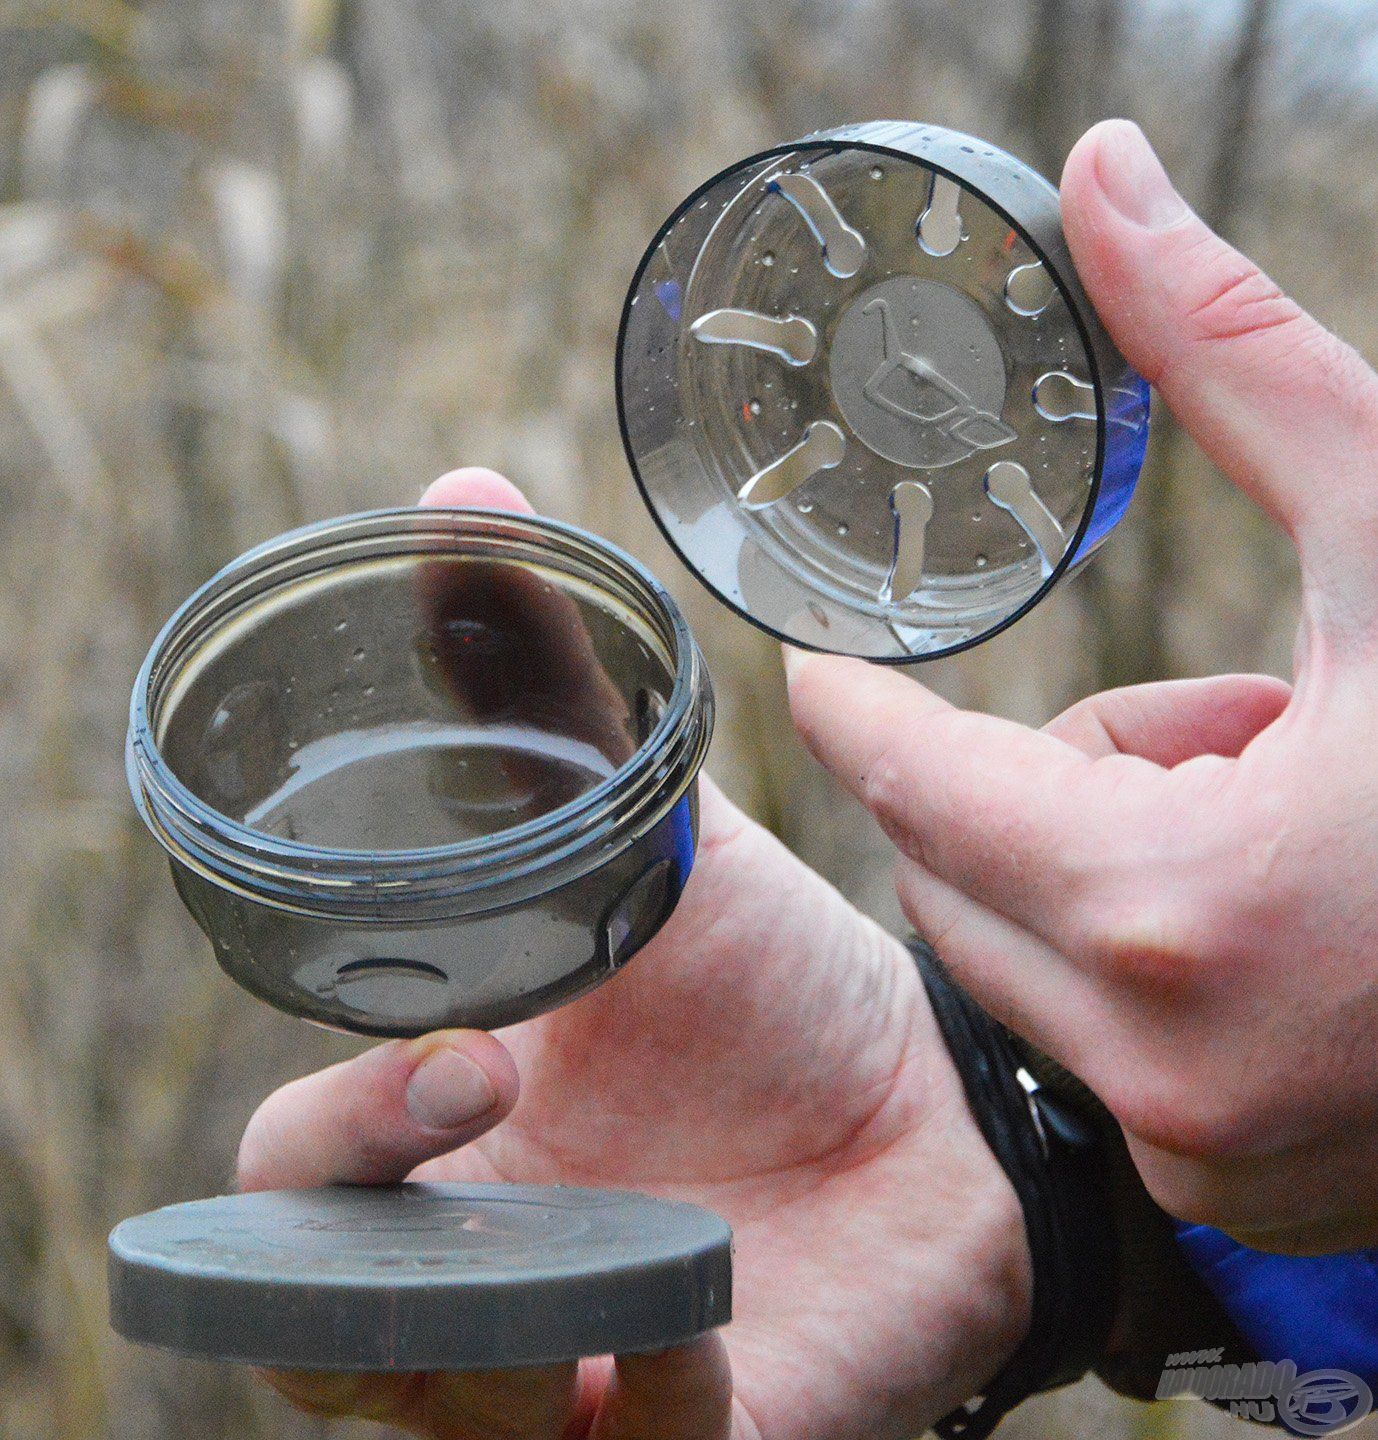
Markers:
{"x": 919, "y": 375}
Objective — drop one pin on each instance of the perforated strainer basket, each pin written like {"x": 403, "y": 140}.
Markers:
{"x": 866, "y": 397}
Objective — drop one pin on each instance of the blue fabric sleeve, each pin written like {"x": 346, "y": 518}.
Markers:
{"x": 1320, "y": 1311}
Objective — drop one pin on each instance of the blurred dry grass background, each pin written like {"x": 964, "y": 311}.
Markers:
{"x": 265, "y": 262}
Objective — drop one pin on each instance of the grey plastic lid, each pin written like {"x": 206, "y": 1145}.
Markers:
{"x": 419, "y": 1276}
{"x": 865, "y": 396}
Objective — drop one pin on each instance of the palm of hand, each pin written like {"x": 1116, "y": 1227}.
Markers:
{"x": 770, "y": 1055}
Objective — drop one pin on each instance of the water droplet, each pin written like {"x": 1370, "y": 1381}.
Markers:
{"x": 360, "y": 654}
{"x": 341, "y": 626}
{"x": 768, "y": 259}
{"x": 842, "y": 529}
{"x": 876, "y": 172}
{"x": 981, "y": 562}
{"x": 754, "y": 406}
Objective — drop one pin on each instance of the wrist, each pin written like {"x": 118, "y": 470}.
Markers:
{"x": 1054, "y": 1158}
{"x": 987, "y": 1289}
{"x": 997, "y": 1308}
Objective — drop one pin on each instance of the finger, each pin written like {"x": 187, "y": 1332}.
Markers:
{"x": 680, "y": 1394}
{"x": 1286, "y": 410}
{"x": 1174, "y": 720}
{"x": 473, "y": 485}
{"x": 374, "y": 1119}
{"x": 510, "y": 647}
{"x": 387, "y": 1399}
{"x": 1020, "y": 979}
{"x": 684, "y": 1393}
{"x": 1314, "y": 1198}
{"x": 1013, "y": 817}
{"x": 539, "y": 1402}
{"x": 1032, "y": 989}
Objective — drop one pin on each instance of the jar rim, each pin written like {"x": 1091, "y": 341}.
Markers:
{"x": 296, "y": 875}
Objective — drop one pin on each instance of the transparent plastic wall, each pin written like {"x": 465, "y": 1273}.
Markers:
{"x": 866, "y": 398}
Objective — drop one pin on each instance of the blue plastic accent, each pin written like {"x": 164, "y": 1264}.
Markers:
{"x": 1320, "y": 1311}
{"x": 671, "y": 301}
{"x": 1126, "y": 443}
{"x": 682, "y": 830}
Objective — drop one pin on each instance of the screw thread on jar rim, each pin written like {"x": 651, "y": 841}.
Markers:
{"x": 468, "y": 876}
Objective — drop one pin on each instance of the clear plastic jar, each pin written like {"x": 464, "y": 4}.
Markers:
{"x": 424, "y": 768}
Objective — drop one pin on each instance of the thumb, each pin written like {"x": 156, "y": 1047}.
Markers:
{"x": 374, "y": 1119}
{"x": 1174, "y": 720}
{"x": 1285, "y": 409}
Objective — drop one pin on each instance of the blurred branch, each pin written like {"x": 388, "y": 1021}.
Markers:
{"x": 110, "y": 23}
{"x": 1107, "y": 34}
{"x": 1066, "y": 83}
{"x": 1237, "y": 118}
{"x": 1132, "y": 620}
{"x": 1042, "y": 105}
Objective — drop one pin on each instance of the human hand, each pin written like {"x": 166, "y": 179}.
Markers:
{"x": 770, "y": 1054}
{"x": 1173, "y": 888}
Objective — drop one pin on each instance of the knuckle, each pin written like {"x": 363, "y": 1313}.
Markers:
{"x": 1149, "y": 940}
{"x": 1238, "y": 302}
{"x": 1187, "y": 1191}
{"x": 1176, "y": 1108}
{"x": 1235, "y": 304}
{"x": 887, "y": 792}
{"x": 1176, "y": 933}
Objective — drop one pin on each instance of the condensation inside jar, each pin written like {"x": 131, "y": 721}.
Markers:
{"x": 410, "y": 701}
{"x": 858, "y": 402}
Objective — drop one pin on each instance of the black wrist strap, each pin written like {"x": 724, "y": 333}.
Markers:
{"x": 1052, "y": 1157}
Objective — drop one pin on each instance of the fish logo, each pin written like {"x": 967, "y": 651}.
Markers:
{"x": 909, "y": 387}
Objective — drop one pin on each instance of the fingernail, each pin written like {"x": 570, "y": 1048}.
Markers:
{"x": 1134, "y": 180}
{"x": 448, "y": 1090}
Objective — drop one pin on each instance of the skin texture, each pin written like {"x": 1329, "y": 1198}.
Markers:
{"x": 1171, "y": 887}
{"x": 771, "y": 1055}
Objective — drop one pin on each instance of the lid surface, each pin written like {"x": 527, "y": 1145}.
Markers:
{"x": 865, "y": 396}
{"x": 420, "y": 1276}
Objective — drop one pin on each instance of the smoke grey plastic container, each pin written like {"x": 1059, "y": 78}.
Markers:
{"x": 507, "y": 717}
